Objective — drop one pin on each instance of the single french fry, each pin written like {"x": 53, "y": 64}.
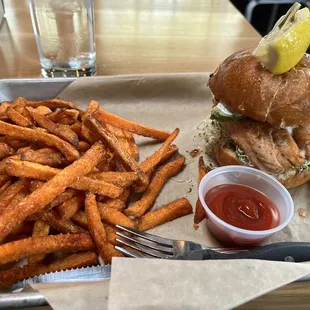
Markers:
{"x": 138, "y": 187}
{"x": 18, "y": 198}
{"x": 121, "y": 179}
{"x": 42, "y": 110}
{"x": 121, "y": 137}
{"x": 38, "y": 136}
{"x": 160, "y": 178}
{"x": 97, "y": 230}
{"x": 111, "y": 234}
{"x": 114, "y": 144}
{"x": 83, "y": 146}
{"x": 5, "y": 150}
{"x": 200, "y": 212}
{"x": 76, "y": 127}
{"x": 80, "y": 218}
{"x": 23, "y": 229}
{"x": 6, "y": 185}
{"x": 30, "y": 170}
{"x": 108, "y": 215}
{"x": 13, "y": 251}
{"x": 19, "y": 105}
{"x": 41, "y": 197}
{"x": 62, "y": 131}
{"x": 113, "y": 217}
{"x": 40, "y": 229}
{"x": 114, "y": 120}
{"x": 3, "y": 163}
{"x": 87, "y": 135}
{"x": 62, "y": 226}
{"x": 53, "y": 159}
{"x": 21, "y": 109}
{"x": 35, "y": 184}
{"x": 70, "y": 207}
{"x": 44, "y": 173}
{"x": 151, "y": 162}
{"x": 7, "y": 196}
{"x": 92, "y": 107}
{"x": 52, "y": 104}
{"x": 19, "y": 102}
{"x": 115, "y": 203}
{"x": 17, "y": 117}
{"x": 108, "y": 162}
{"x": 64, "y": 196}
{"x": 45, "y": 150}
{"x": 21, "y": 150}
{"x": 11, "y": 238}
{"x": 172, "y": 149}
{"x": 15, "y": 144}
{"x": 78, "y": 260}
{"x": 134, "y": 150}
{"x": 4, "y": 178}
{"x": 171, "y": 211}
{"x": 125, "y": 195}
{"x": 3, "y": 107}
{"x": 64, "y": 116}
{"x": 109, "y": 251}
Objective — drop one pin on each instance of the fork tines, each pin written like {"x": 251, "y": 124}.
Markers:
{"x": 140, "y": 244}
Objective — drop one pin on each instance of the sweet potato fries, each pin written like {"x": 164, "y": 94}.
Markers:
{"x": 66, "y": 179}
{"x": 200, "y": 213}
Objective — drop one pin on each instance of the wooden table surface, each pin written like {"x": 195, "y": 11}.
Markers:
{"x": 151, "y": 36}
{"x": 136, "y": 36}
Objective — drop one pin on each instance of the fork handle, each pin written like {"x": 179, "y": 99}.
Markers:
{"x": 282, "y": 251}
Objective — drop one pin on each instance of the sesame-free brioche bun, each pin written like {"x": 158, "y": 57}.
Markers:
{"x": 245, "y": 87}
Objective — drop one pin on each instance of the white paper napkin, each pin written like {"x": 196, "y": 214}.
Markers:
{"x": 147, "y": 284}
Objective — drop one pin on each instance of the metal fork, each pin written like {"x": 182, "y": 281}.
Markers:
{"x": 141, "y": 244}
{"x": 158, "y": 247}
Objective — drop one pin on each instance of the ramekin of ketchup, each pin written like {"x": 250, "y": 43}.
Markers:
{"x": 244, "y": 206}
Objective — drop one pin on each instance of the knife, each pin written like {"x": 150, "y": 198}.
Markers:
{"x": 86, "y": 274}
{"x": 282, "y": 251}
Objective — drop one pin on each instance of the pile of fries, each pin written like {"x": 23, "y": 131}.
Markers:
{"x": 66, "y": 179}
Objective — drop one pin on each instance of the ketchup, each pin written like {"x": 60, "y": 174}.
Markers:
{"x": 243, "y": 207}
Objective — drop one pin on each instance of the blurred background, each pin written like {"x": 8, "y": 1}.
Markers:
{"x": 149, "y": 36}
{"x": 263, "y": 14}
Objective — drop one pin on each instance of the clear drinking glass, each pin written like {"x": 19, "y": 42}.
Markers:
{"x": 64, "y": 32}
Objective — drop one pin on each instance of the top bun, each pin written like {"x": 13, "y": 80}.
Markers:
{"x": 242, "y": 84}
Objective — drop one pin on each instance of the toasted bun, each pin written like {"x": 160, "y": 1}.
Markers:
{"x": 297, "y": 179}
{"x": 247, "y": 88}
{"x": 225, "y": 157}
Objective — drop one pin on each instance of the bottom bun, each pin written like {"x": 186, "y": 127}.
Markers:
{"x": 226, "y": 156}
{"x": 299, "y": 178}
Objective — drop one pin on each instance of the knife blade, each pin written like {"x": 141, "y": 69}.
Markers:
{"x": 86, "y": 274}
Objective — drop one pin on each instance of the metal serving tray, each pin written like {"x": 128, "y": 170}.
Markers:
{"x": 32, "y": 89}
{"x": 35, "y": 89}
